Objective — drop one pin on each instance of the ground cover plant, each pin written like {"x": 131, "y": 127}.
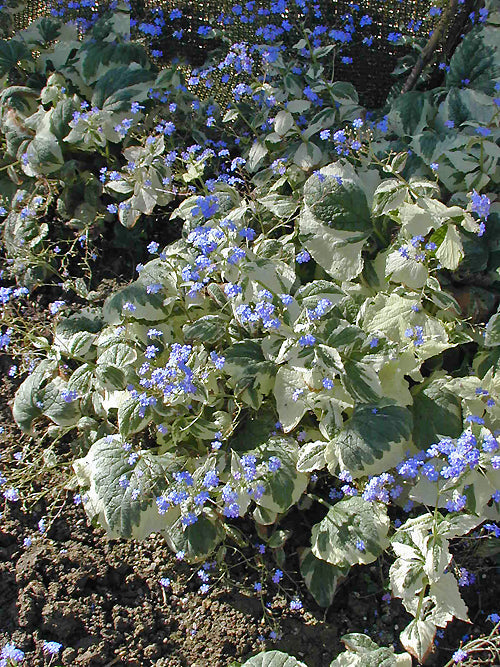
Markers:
{"x": 308, "y": 366}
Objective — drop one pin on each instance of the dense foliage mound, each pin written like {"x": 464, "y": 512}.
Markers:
{"x": 321, "y": 338}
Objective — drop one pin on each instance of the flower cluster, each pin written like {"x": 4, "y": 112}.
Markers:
{"x": 191, "y": 494}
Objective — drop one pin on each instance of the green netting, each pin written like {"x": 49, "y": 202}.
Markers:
{"x": 372, "y": 65}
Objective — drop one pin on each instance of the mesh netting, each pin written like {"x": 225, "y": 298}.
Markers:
{"x": 372, "y": 63}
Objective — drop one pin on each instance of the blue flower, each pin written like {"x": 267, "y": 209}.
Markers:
{"x": 394, "y": 37}
{"x": 480, "y": 204}
{"x": 12, "y": 653}
{"x": 459, "y": 656}
{"x": 51, "y": 648}
{"x": 277, "y": 576}
{"x": 303, "y": 257}
{"x": 274, "y": 464}
{"x": 307, "y": 340}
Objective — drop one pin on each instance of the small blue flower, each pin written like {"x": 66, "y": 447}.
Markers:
{"x": 51, "y": 648}
{"x": 303, "y": 257}
{"x": 360, "y": 545}
{"x": 307, "y": 340}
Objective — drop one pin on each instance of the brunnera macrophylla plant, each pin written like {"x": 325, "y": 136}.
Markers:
{"x": 238, "y": 368}
{"x": 77, "y": 134}
{"x": 292, "y": 347}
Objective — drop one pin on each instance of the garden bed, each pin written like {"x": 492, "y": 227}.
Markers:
{"x": 251, "y": 395}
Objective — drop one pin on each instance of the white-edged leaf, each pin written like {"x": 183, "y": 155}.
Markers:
{"x": 449, "y": 604}
{"x": 146, "y": 306}
{"x": 291, "y": 407}
{"x": 418, "y": 638}
{"x": 451, "y": 251}
{"x": 129, "y": 417}
{"x": 337, "y": 251}
{"x": 285, "y": 486}
{"x": 312, "y": 456}
{"x": 111, "y": 499}
{"x": 283, "y": 121}
{"x": 372, "y": 430}
{"x": 405, "y": 270}
{"x": 350, "y": 524}
{"x": 307, "y": 155}
{"x": 320, "y": 577}
{"x": 273, "y": 659}
{"x": 28, "y": 398}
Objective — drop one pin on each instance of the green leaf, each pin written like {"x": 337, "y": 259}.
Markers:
{"x": 97, "y": 58}
{"x": 273, "y": 659}
{"x": 334, "y": 539}
{"x": 436, "y": 413}
{"x": 11, "y": 52}
{"x": 361, "y": 381}
{"x": 337, "y": 200}
{"x": 147, "y": 306}
{"x": 129, "y": 417}
{"x": 372, "y": 430}
{"x": 254, "y": 431}
{"x": 121, "y": 86}
{"x": 206, "y": 329}
{"x": 320, "y": 577}
{"x": 338, "y": 252}
{"x": 197, "y": 540}
{"x": 118, "y": 510}
{"x": 476, "y": 59}
{"x": 42, "y": 31}
{"x": 25, "y": 409}
{"x": 251, "y": 375}
{"x": 492, "y": 335}
{"x": 287, "y": 484}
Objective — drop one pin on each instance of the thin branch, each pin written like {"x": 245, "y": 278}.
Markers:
{"x": 428, "y": 50}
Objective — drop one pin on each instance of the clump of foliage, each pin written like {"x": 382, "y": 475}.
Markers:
{"x": 305, "y": 340}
